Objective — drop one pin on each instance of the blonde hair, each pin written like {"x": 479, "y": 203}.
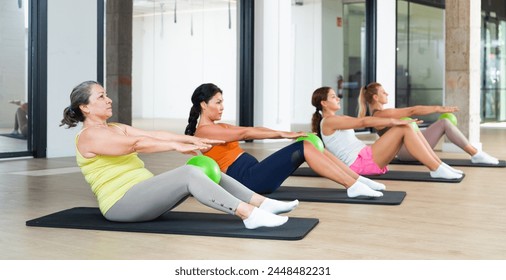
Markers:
{"x": 366, "y": 97}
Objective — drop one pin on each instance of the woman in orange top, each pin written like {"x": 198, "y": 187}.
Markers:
{"x": 268, "y": 175}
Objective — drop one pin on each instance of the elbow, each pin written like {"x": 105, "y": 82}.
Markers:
{"x": 140, "y": 144}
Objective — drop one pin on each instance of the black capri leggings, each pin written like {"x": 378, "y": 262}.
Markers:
{"x": 268, "y": 175}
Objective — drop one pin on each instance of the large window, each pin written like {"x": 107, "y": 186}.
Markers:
{"x": 354, "y": 48}
{"x": 14, "y": 126}
{"x": 330, "y": 43}
{"x": 178, "y": 45}
{"x": 420, "y": 55}
{"x": 493, "y": 92}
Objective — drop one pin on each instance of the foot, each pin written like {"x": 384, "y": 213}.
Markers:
{"x": 15, "y": 132}
{"x": 261, "y": 218}
{"x": 278, "y": 207}
{"x": 372, "y": 184}
{"x": 453, "y": 169}
{"x": 445, "y": 173}
{"x": 482, "y": 157}
{"x": 361, "y": 189}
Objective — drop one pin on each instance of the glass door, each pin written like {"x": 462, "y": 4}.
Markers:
{"x": 493, "y": 91}
{"x": 14, "y": 108}
{"x": 354, "y": 47}
{"x": 420, "y": 55}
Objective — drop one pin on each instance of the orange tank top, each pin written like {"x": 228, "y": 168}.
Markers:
{"x": 225, "y": 154}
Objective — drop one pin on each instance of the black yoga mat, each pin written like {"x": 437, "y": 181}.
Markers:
{"x": 15, "y": 136}
{"x": 394, "y": 175}
{"x": 173, "y": 222}
{"x": 334, "y": 196}
{"x": 454, "y": 162}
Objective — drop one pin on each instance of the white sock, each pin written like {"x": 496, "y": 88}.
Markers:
{"x": 444, "y": 172}
{"x": 278, "y": 207}
{"x": 482, "y": 157}
{"x": 261, "y": 218}
{"x": 453, "y": 169}
{"x": 361, "y": 189}
{"x": 372, "y": 184}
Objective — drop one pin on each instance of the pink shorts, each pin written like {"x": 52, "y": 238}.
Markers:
{"x": 365, "y": 165}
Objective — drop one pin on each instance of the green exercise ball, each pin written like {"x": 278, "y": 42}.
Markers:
{"x": 208, "y": 166}
{"x": 413, "y": 124}
{"x": 450, "y": 116}
{"x": 314, "y": 139}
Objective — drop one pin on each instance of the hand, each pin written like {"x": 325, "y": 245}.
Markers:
{"x": 292, "y": 135}
{"x": 189, "y": 149}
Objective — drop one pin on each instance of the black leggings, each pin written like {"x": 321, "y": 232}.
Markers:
{"x": 268, "y": 175}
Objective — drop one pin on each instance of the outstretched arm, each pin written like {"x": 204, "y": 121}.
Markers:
{"x": 414, "y": 111}
{"x": 168, "y": 136}
{"x": 333, "y": 123}
{"x": 103, "y": 141}
{"x": 229, "y": 133}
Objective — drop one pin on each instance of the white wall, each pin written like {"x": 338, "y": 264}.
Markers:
{"x": 273, "y": 64}
{"x": 332, "y": 43}
{"x": 71, "y": 59}
{"x": 169, "y": 62}
{"x": 385, "y": 47}
{"x": 307, "y": 56}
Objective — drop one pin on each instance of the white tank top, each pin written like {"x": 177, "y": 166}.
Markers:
{"x": 343, "y": 144}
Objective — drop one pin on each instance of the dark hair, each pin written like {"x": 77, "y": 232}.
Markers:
{"x": 72, "y": 115}
{"x": 204, "y": 92}
{"x": 319, "y": 95}
{"x": 365, "y": 97}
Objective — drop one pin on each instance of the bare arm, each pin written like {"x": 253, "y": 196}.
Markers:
{"x": 230, "y": 133}
{"x": 105, "y": 141}
{"x": 414, "y": 111}
{"x": 168, "y": 136}
{"x": 334, "y": 123}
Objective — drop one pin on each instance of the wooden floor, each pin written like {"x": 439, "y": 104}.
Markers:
{"x": 436, "y": 220}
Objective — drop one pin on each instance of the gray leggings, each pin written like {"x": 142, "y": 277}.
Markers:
{"x": 149, "y": 199}
{"x": 433, "y": 134}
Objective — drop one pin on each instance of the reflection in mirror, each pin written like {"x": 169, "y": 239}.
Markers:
{"x": 14, "y": 129}
{"x": 329, "y": 47}
{"x": 420, "y": 56}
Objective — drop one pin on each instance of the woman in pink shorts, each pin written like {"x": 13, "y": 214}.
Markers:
{"x": 339, "y": 137}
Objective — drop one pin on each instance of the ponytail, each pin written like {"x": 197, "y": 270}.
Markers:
{"x": 315, "y": 123}
{"x": 71, "y": 117}
{"x": 192, "y": 120}
{"x": 362, "y": 105}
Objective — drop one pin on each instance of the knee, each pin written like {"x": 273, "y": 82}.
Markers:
{"x": 446, "y": 123}
{"x": 192, "y": 171}
{"x": 403, "y": 128}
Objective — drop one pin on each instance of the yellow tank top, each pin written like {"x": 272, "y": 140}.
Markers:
{"x": 110, "y": 177}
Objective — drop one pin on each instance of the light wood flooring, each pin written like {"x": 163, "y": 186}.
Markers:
{"x": 465, "y": 221}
